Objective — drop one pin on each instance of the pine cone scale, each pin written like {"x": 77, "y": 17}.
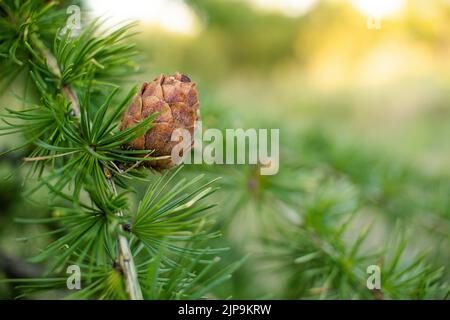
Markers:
{"x": 175, "y": 99}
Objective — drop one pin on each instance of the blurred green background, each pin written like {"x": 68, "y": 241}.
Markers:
{"x": 364, "y": 116}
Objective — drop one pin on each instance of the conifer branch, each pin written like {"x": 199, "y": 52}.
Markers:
{"x": 125, "y": 257}
{"x": 77, "y": 152}
{"x": 70, "y": 94}
{"x": 126, "y": 260}
{"x": 53, "y": 66}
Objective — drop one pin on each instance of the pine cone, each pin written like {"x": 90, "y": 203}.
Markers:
{"x": 175, "y": 98}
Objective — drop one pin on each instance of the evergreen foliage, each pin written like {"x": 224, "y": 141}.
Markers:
{"x": 77, "y": 155}
{"x": 313, "y": 226}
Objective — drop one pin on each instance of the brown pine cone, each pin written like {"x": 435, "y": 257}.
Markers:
{"x": 175, "y": 98}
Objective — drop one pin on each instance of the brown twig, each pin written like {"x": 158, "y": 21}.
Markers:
{"x": 126, "y": 260}
{"x": 70, "y": 95}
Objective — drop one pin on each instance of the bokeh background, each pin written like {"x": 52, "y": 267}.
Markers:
{"x": 363, "y": 113}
